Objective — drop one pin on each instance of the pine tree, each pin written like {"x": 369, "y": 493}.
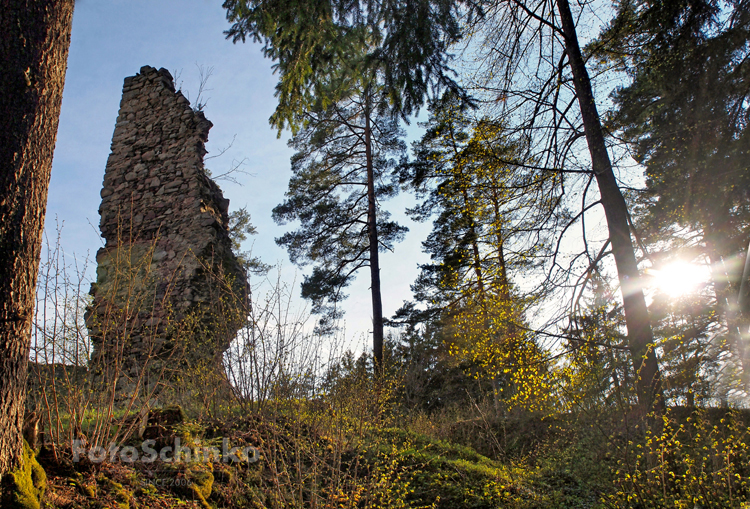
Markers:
{"x": 239, "y": 229}
{"x": 341, "y": 174}
{"x": 491, "y": 211}
{"x": 486, "y": 209}
{"x": 597, "y": 373}
{"x": 357, "y": 66}
{"x": 692, "y": 352}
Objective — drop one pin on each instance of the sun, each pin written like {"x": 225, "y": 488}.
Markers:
{"x": 679, "y": 278}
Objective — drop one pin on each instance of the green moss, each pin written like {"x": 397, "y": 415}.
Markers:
{"x": 200, "y": 482}
{"x": 435, "y": 479}
{"x": 24, "y": 487}
{"x": 121, "y": 495}
{"x": 83, "y": 489}
{"x": 425, "y": 472}
{"x": 147, "y": 489}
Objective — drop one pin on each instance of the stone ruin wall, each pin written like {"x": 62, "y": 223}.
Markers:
{"x": 160, "y": 298}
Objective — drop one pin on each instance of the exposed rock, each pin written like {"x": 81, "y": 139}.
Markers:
{"x": 167, "y": 247}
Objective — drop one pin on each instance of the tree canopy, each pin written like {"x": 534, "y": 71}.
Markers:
{"x": 407, "y": 49}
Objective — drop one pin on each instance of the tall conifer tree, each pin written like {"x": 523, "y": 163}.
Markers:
{"x": 341, "y": 174}
{"x": 381, "y": 59}
{"x": 487, "y": 211}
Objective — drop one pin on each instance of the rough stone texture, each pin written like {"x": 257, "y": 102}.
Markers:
{"x": 169, "y": 290}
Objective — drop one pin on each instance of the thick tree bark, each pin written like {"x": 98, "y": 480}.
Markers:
{"x": 34, "y": 52}
{"x": 640, "y": 335}
{"x": 372, "y": 225}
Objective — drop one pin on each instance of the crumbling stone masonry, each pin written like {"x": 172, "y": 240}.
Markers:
{"x": 169, "y": 294}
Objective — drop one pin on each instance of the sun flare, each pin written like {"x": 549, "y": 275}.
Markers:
{"x": 679, "y": 278}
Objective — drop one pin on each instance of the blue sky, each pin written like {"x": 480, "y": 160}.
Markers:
{"x": 113, "y": 39}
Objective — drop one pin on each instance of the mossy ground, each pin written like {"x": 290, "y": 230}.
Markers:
{"x": 307, "y": 466}
{"x": 305, "y": 461}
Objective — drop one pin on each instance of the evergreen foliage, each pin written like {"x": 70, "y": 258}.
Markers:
{"x": 383, "y": 58}
{"x": 240, "y": 228}
{"x": 487, "y": 209}
{"x": 492, "y": 214}
{"x": 597, "y": 375}
{"x": 328, "y": 195}
{"x": 309, "y": 40}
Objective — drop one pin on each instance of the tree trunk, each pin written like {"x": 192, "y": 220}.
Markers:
{"x": 477, "y": 265}
{"x": 372, "y": 225}
{"x": 504, "y": 283}
{"x": 640, "y": 335}
{"x": 477, "y": 261}
{"x": 34, "y": 54}
{"x": 743, "y": 305}
{"x": 730, "y": 305}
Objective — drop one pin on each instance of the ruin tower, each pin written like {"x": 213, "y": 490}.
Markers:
{"x": 169, "y": 293}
